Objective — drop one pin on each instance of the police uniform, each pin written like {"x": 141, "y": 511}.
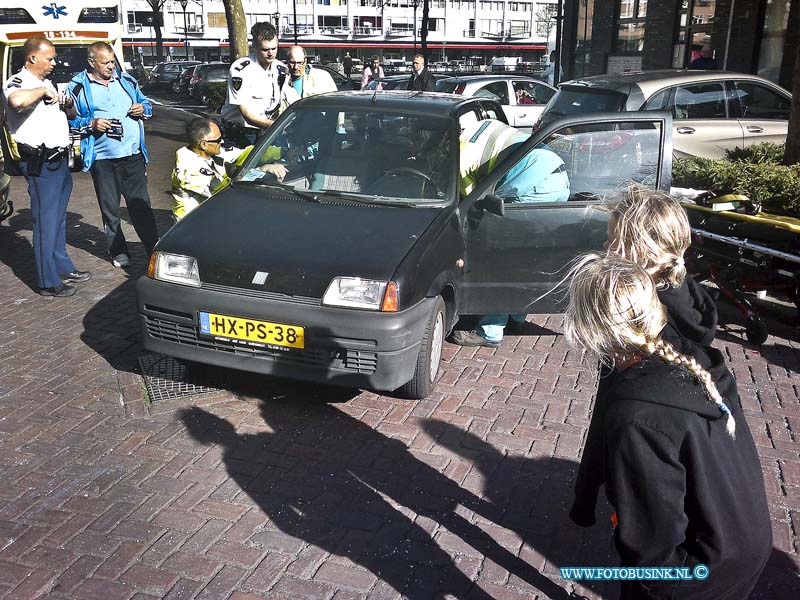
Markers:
{"x": 257, "y": 88}
{"x": 41, "y": 133}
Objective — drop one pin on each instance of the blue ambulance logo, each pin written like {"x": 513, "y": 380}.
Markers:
{"x": 54, "y": 10}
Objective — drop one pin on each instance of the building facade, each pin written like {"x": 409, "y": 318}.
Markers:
{"x": 475, "y": 30}
{"x": 752, "y": 36}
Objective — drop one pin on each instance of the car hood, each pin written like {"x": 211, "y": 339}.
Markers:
{"x": 301, "y": 244}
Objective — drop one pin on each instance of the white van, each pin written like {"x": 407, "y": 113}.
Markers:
{"x": 501, "y": 64}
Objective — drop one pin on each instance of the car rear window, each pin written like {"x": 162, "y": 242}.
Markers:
{"x": 446, "y": 86}
{"x": 575, "y": 101}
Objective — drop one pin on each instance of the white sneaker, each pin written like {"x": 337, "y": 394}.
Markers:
{"x": 121, "y": 260}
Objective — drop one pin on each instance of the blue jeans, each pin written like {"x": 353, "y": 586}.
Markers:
{"x": 491, "y": 326}
{"x": 49, "y": 194}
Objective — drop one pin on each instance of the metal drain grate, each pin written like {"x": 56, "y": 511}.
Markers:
{"x": 166, "y": 378}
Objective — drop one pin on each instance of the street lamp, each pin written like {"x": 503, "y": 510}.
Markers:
{"x": 185, "y": 29}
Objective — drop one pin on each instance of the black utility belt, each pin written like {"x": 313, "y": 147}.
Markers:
{"x": 41, "y": 153}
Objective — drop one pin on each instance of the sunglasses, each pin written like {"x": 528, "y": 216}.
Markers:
{"x": 216, "y": 141}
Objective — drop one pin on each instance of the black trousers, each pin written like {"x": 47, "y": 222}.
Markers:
{"x": 126, "y": 177}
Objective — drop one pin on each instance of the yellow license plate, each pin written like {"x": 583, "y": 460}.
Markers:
{"x": 262, "y": 332}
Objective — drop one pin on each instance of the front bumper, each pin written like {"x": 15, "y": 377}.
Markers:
{"x": 353, "y": 348}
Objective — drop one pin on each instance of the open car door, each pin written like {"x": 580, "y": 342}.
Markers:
{"x": 542, "y": 206}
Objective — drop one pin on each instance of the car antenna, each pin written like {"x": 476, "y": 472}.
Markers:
{"x": 380, "y": 81}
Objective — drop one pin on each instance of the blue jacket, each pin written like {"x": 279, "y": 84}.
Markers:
{"x": 85, "y": 107}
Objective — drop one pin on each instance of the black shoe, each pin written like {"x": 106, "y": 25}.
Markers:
{"x": 470, "y": 338}
{"x": 58, "y": 291}
{"x": 76, "y": 276}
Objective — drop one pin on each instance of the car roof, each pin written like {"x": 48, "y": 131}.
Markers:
{"x": 651, "y": 81}
{"x": 484, "y": 78}
{"x": 429, "y": 103}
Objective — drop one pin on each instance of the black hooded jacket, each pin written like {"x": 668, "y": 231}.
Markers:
{"x": 685, "y": 492}
{"x": 692, "y": 314}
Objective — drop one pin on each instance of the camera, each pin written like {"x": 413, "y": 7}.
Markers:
{"x": 115, "y": 133}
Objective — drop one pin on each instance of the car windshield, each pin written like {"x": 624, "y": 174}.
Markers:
{"x": 580, "y": 100}
{"x": 365, "y": 155}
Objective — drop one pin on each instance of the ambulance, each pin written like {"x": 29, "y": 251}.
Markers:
{"x": 72, "y": 26}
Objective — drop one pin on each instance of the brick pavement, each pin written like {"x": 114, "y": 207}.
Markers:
{"x": 273, "y": 489}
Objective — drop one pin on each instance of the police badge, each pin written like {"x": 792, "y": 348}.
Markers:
{"x": 237, "y": 83}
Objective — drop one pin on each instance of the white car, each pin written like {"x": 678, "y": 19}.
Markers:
{"x": 712, "y": 111}
{"x": 523, "y": 98}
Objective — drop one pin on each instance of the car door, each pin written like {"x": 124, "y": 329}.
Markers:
{"x": 521, "y": 233}
{"x": 763, "y": 111}
{"x": 702, "y": 124}
{"x": 527, "y": 101}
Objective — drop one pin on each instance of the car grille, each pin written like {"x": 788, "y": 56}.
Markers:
{"x": 225, "y": 289}
{"x": 360, "y": 361}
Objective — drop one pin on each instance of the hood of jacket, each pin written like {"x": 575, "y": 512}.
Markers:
{"x": 657, "y": 382}
{"x": 692, "y": 311}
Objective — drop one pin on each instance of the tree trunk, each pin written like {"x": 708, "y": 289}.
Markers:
{"x": 237, "y": 28}
{"x": 424, "y": 33}
{"x": 159, "y": 37}
{"x": 792, "y": 154}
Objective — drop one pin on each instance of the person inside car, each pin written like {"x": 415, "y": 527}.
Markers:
{"x": 200, "y": 166}
{"x": 539, "y": 177}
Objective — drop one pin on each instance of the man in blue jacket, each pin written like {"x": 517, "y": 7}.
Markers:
{"x": 111, "y": 110}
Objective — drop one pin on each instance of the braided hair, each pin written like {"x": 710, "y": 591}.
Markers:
{"x": 615, "y": 314}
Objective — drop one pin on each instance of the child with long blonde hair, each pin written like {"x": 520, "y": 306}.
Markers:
{"x": 651, "y": 229}
{"x": 677, "y": 458}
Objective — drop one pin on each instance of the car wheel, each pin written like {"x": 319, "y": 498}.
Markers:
{"x": 430, "y": 355}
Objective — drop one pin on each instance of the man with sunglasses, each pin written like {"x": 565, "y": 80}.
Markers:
{"x": 111, "y": 110}
{"x": 200, "y": 166}
{"x": 254, "y": 84}
{"x": 304, "y": 80}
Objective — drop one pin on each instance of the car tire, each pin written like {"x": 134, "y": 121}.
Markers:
{"x": 430, "y": 355}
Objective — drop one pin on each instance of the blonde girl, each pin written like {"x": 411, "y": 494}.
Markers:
{"x": 677, "y": 459}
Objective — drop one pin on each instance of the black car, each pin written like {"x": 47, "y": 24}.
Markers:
{"x": 353, "y": 268}
{"x": 164, "y": 73}
{"x": 181, "y": 83}
{"x": 205, "y": 75}
{"x": 342, "y": 82}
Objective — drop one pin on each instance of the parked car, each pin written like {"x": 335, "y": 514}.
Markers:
{"x": 181, "y": 83}
{"x": 397, "y": 82}
{"x": 712, "y": 111}
{"x": 205, "y": 74}
{"x": 164, "y": 73}
{"x": 394, "y": 66}
{"x": 353, "y": 268}
{"x": 523, "y": 98}
{"x": 342, "y": 82}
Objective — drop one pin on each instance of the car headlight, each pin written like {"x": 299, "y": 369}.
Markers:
{"x": 174, "y": 268}
{"x": 354, "y": 292}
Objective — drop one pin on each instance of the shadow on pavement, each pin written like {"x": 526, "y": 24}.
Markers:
{"x": 534, "y": 496}
{"x": 17, "y": 253}
{"x": 111, "y": 325}
{"x": 330, "y": 480}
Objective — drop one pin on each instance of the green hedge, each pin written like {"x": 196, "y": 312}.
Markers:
{"x": 754, "y": 171}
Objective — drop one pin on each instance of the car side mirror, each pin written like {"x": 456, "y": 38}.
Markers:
{"x": 493, "y": 204}
{"x": 231, "y": 169}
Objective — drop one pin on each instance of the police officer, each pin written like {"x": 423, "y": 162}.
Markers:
{"x": 39, "y": 127}
{"x": 254, "y": 84}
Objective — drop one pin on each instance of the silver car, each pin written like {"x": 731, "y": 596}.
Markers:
{"x": 523, "y": 98}
{"x": 712, "y": 111}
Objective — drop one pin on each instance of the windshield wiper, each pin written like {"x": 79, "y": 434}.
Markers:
{"x": 309, "y": 195}
{"x": 372, "y": 200}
